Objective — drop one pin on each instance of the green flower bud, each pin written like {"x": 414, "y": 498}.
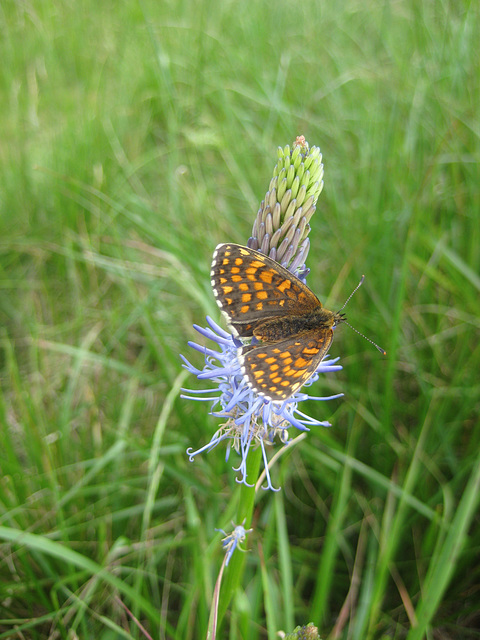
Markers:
{"x": 301, "y": 195}
{"x": 295, "y": 187}
{"x": 282, "y": 187}
{"x": 282, "y": 223}
{"x": 290, "y": 175}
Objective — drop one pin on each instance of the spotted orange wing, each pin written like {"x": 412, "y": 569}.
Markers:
{"x": 250, "y": 288}
{"x": 277, "y": 370}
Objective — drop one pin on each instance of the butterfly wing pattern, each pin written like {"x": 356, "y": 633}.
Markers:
{"x": 262, "y": 300}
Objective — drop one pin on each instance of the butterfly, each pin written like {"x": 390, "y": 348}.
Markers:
{"x": 291, "y": 330}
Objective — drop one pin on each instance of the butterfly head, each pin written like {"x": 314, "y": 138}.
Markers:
{"x": 338, "y": 318}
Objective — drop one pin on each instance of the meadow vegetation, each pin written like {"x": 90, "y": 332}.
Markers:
{"x": 134, "y": 137}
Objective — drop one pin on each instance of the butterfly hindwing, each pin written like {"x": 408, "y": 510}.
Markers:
{"x": 278, "y": 370}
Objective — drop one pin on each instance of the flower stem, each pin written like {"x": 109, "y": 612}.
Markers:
{"x": 246, "y": 500}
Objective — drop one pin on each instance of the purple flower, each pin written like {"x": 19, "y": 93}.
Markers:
{"x": 280, "y": 231}
{"x": 249, "y": 419}
{"x": 233, "y": 540}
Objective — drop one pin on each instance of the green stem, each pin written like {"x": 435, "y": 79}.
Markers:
{"x": 246, "y": 500}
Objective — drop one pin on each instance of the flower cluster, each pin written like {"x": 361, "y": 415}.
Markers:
{"x": 280, "y": 231}
{"x": 282, "y": 226}
{"x": 249, "y": 419}
{"x": 233, "y": 540}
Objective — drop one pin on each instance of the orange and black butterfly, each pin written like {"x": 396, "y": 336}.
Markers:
{"x": 261, "y": 299}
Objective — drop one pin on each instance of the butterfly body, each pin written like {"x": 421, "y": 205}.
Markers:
{"x": 276, "y": 329}
{"x": 262, "y": 300}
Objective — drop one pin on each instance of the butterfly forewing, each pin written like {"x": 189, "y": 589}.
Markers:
{"x": 250, "y": 288}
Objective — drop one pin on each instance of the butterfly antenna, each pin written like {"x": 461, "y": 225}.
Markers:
{"x": 382, "y": 351}
{"x": 350, "y": 296}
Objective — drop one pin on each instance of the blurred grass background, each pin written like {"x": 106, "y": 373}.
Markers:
{"x": 135, "y": 136}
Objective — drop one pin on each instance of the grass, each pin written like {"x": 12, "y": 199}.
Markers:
{"x": 135, "y": 137}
